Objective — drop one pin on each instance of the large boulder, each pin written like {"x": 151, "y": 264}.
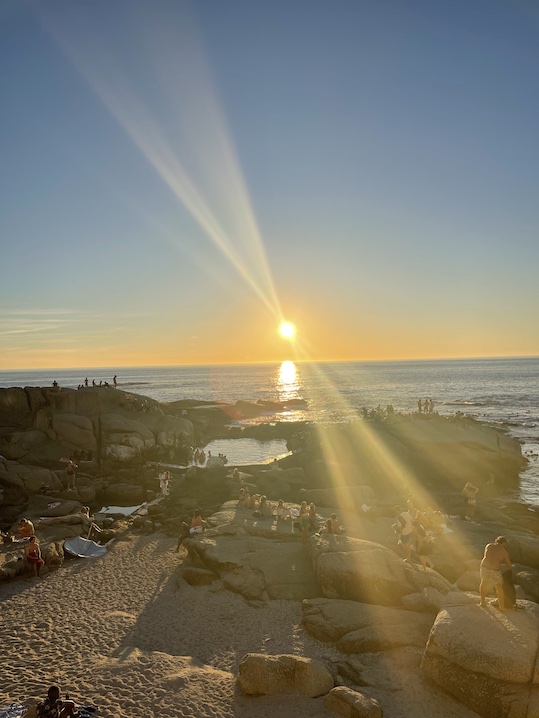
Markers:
{"x": 360, "y": 627}
{"x": 75, "y": 431}
{"x": 253, "y": 566}
{"x": 29, "y": 479}
{"x": 368, "y": 572}
{"x": 260, "y": 674}
{"x": 487, "y": 659}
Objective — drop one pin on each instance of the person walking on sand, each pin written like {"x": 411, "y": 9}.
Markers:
{"x": 490, "y": 572}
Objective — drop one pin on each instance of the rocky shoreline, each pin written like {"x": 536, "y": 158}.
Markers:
{"x": 385, "y": 622}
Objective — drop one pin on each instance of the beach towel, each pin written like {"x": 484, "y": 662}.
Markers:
{"x": 15, "y": 710}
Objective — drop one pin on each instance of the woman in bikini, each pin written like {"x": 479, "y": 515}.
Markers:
{"x": 32, "y": 553}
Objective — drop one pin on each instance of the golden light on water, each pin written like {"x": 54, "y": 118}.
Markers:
{"x": 287, "y": 330}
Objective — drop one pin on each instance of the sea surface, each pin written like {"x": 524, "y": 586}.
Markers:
{"x": 502, "y": 391}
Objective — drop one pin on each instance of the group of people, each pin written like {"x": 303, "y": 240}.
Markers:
{"x": 86, "y": 383}
{"x": 305, "y": 518}
{"x": 55, "y": 707}
{"x": 417, "y": 530}
{"x": 425, "y": 407}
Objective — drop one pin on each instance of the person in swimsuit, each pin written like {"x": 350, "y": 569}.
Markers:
{"x": 470, "y": 496}
{"x": 25, "y": 528}
{"x": 491, "y": 575}
{"x": 54, "y": 707}
{"x": 32, "y": 553}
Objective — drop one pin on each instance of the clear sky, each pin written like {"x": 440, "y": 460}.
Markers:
{"x": 175, "y": 179}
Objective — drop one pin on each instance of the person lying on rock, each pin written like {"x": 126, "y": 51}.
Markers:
{"x": 490, "y": 571}
{"x": 54, "y": 707}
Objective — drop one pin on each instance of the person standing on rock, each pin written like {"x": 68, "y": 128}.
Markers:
{"x": 491, "y": 575}
{"x": 71, "y": 476}
{"x": 404, "y": 528}
{"x": 470, "y": 496}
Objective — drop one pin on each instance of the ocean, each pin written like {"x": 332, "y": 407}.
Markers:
{"x": 501, "y": 391}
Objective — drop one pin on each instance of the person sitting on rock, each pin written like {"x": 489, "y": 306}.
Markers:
{"x": 197, "y": 523}
{"x": 265, "y": 508}
{"x": 281, "y": 511}
{"x": 32, "y": 554}
{"x": 25, "y": 528}
{"x": 88, "y": 521}
{"x": 332, "y": 526}
{"x": 54, "y": 707}
{"x": 246, "y": 503}
{"x": 313, "y": 519}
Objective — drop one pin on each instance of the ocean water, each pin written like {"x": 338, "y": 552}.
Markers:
{"x": 503, "y": 391}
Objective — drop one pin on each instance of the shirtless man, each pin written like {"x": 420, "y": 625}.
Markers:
{"x": 495, "y": 555}
{"x": 54, "y": 707}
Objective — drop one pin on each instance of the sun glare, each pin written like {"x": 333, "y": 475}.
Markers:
{"x": 287, "y": 330}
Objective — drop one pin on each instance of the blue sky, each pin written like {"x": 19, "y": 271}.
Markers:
{"x": 368, "y": 170}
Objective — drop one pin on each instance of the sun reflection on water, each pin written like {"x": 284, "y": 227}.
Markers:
{"x": 288, "y": 382}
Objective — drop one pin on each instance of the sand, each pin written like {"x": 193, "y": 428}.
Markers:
{"x": 124, "y": 633}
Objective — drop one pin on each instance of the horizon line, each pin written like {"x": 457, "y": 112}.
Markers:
{"x": 274, "y": 361}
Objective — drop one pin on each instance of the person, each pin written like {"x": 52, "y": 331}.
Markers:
{"x": 54, "y": 707}
{"x": 281, "y": 511}
{"x": 313, "y": 521}
{"x": 424, "y": 545}
{"x": 197, "y": 523}
{"x": 115, "y": 380}
{"x": 185, "y": 532}
{"x": 403, "y": 527}
{"x": 470, "y": 497}
{"x": 70, "y": 473}
{"x": 236, "y": 474}
{"x": 88, "y": 521}
{"x": 331, "y": 526}
{"x": 164, "y": 478}
{"x": 490, "y": 571}
{"x": 304, "y": 521}
{"x": 25, "y": 528}
{"x": 86, "y": 382}
{"x": 32, "y": 554}
{"x": 265, "y": 508}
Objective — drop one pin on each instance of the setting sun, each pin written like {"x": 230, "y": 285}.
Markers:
{"x": 287, "y": 330}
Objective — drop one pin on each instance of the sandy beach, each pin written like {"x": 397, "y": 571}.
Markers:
{"x": 122, "y": 632}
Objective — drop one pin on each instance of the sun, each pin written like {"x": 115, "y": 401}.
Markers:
{"x": 287, "y": 330}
